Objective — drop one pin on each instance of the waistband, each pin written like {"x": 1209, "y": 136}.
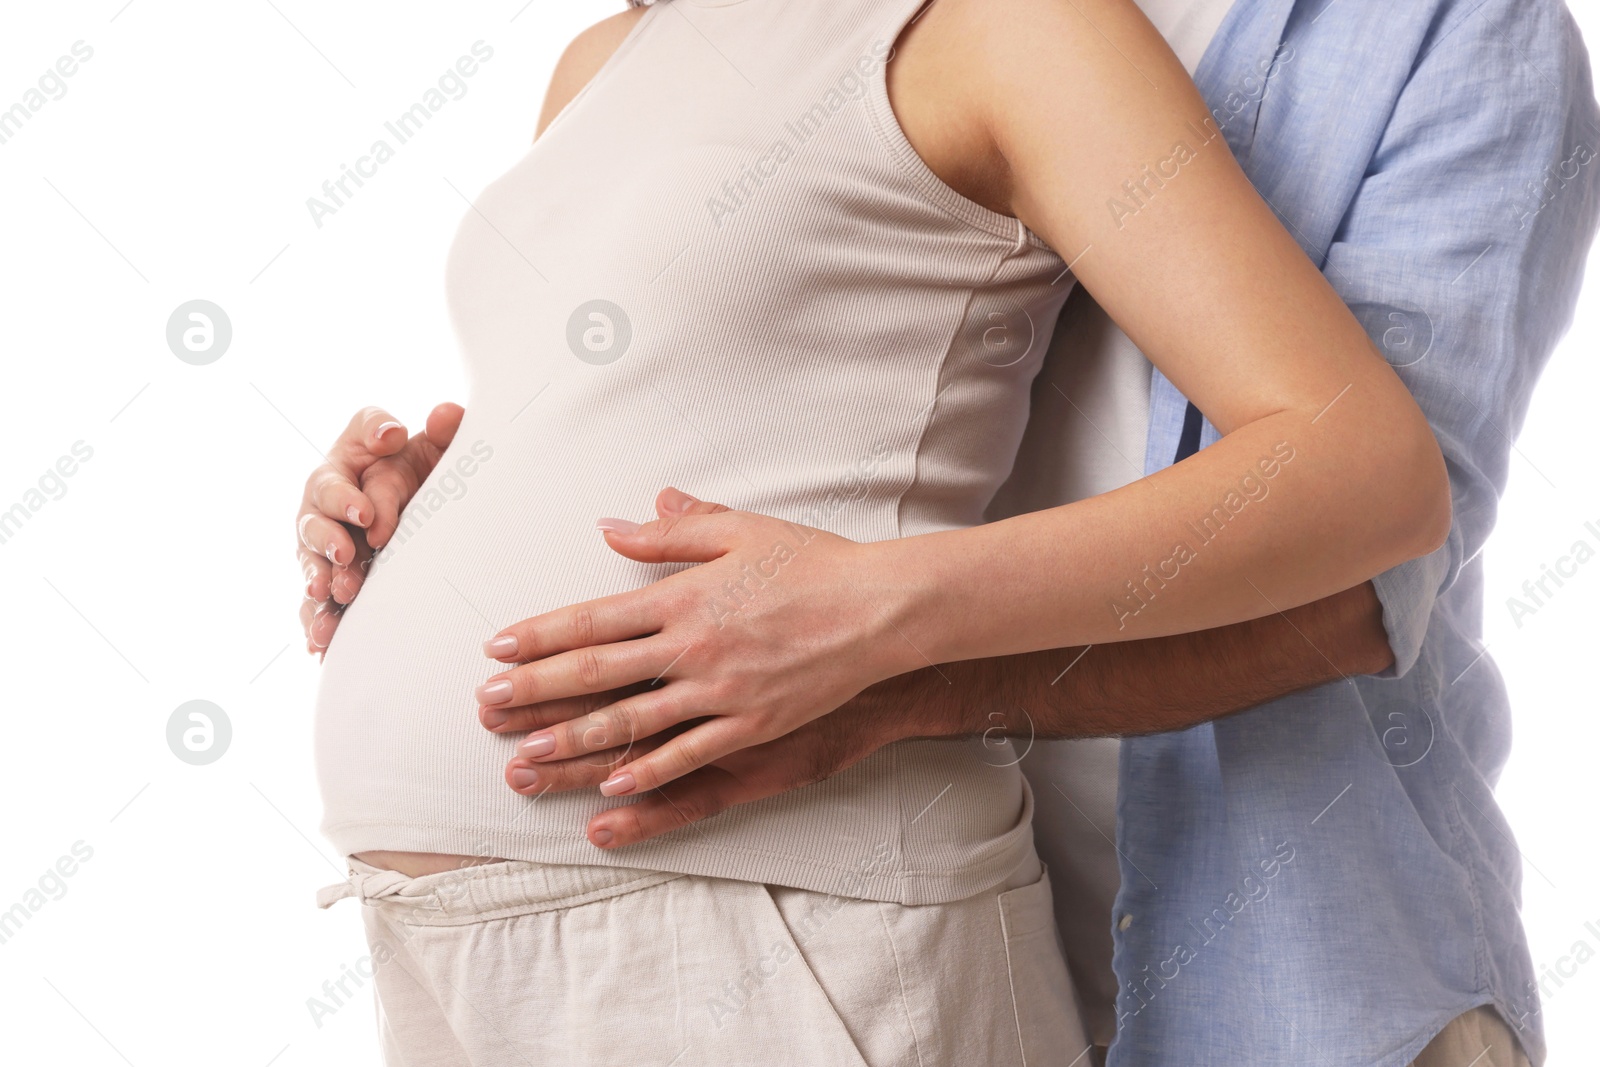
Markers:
{"x": 487, "y": 890}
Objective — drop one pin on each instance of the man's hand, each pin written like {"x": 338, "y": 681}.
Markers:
{"x": 911, "y": 705}
{"x": 352, "y": 504}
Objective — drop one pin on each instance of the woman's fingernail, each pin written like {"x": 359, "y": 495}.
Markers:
{"x": 385, "y": 428}
{"x": 504, "y": 645}
{"x": 333, "y": 552}
{"x": 353, "y": 513}
{"x": 493, "y": 720}
{"x": 678, "y": 501}
{"x": 524, "y": 778}
{"x": 538, "y": 745}
{"x": 621, "y": 526}
{"x": 602, "y": 837}
{"x": 494, "y": 692}
{"x": 309, "y": 580}
{"x": 617, "y": 785}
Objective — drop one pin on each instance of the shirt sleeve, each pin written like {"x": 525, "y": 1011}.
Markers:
{"x": 1463, "y": 251}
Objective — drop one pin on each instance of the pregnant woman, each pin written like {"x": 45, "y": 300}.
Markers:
{"x": 750, "y": 256}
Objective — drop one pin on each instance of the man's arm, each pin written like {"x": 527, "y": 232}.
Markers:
{"x": 1131, "y": 687}
{"x": 1144, "y": 687}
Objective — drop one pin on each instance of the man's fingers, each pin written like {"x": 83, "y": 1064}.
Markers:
{"x": 531, "y": 779}
{"x": 695, "y": 797}
{"x": 816, "y": 751}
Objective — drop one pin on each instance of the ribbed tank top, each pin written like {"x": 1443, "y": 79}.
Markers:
{"x": 722, "y": 267}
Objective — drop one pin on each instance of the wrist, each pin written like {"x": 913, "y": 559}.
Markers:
{"x": 1360, "y": 633}
{"x": 905, "y": 624}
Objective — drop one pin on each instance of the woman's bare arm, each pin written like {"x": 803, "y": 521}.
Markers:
{"x": 582, "y": 60}
{"x": 1327, "y": 473}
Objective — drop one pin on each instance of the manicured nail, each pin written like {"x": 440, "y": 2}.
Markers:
{"x": 524, "y": 778}
{"x": 497, "y": 647}
{"x": 309, "y": 579}
{"x": 679, "y": 501}
{"x": 493, "y": 720}
{"x": 333, "y": 552}
{"x": 538, "y": 745}
{"x": 385, "y": 428}
{"x": 353, "y": 513}
{"x": 602, "y": 837}
{"x": 617, "y": 785}
{"x": 621, "y": 526}
{"x": 494, "y": 692}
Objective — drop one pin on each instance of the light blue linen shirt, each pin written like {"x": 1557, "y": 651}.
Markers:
{"x": 1327, "y": 879}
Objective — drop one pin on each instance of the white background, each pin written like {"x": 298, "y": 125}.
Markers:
{"x": 177, "y": 166}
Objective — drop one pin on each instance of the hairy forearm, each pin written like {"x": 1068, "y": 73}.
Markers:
{"x": 1139, "y": 687}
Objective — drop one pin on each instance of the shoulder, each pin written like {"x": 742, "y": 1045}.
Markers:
{"x": 1055, "y": 52}
{"x": 583, "y": 58}
{"x": 1530, "y": 51}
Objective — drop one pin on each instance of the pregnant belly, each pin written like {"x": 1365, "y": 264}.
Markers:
{"x": 417, "y": 864}
{"x": 397, "y": 733}
{"x": 404, "y": 764}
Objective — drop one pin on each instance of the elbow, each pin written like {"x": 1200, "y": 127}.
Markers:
{"x": 1423, "y": 515}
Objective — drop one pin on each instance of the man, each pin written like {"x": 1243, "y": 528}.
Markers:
{"x": 1325, "y": 878}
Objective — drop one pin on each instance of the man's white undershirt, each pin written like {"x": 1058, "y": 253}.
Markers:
{"x": 1086, "y": 436}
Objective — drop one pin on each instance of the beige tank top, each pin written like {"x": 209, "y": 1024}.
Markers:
{"x": 721, "y": 267}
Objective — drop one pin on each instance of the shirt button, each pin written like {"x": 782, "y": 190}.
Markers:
{"x": 1127, "y": 921}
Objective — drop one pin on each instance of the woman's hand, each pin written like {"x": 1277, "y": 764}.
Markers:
{"x": 352, "y": 505}
{"x": 779, "y": 625}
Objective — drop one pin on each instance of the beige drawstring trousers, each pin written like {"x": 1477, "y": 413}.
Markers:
{"x": 513, "y": 963}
